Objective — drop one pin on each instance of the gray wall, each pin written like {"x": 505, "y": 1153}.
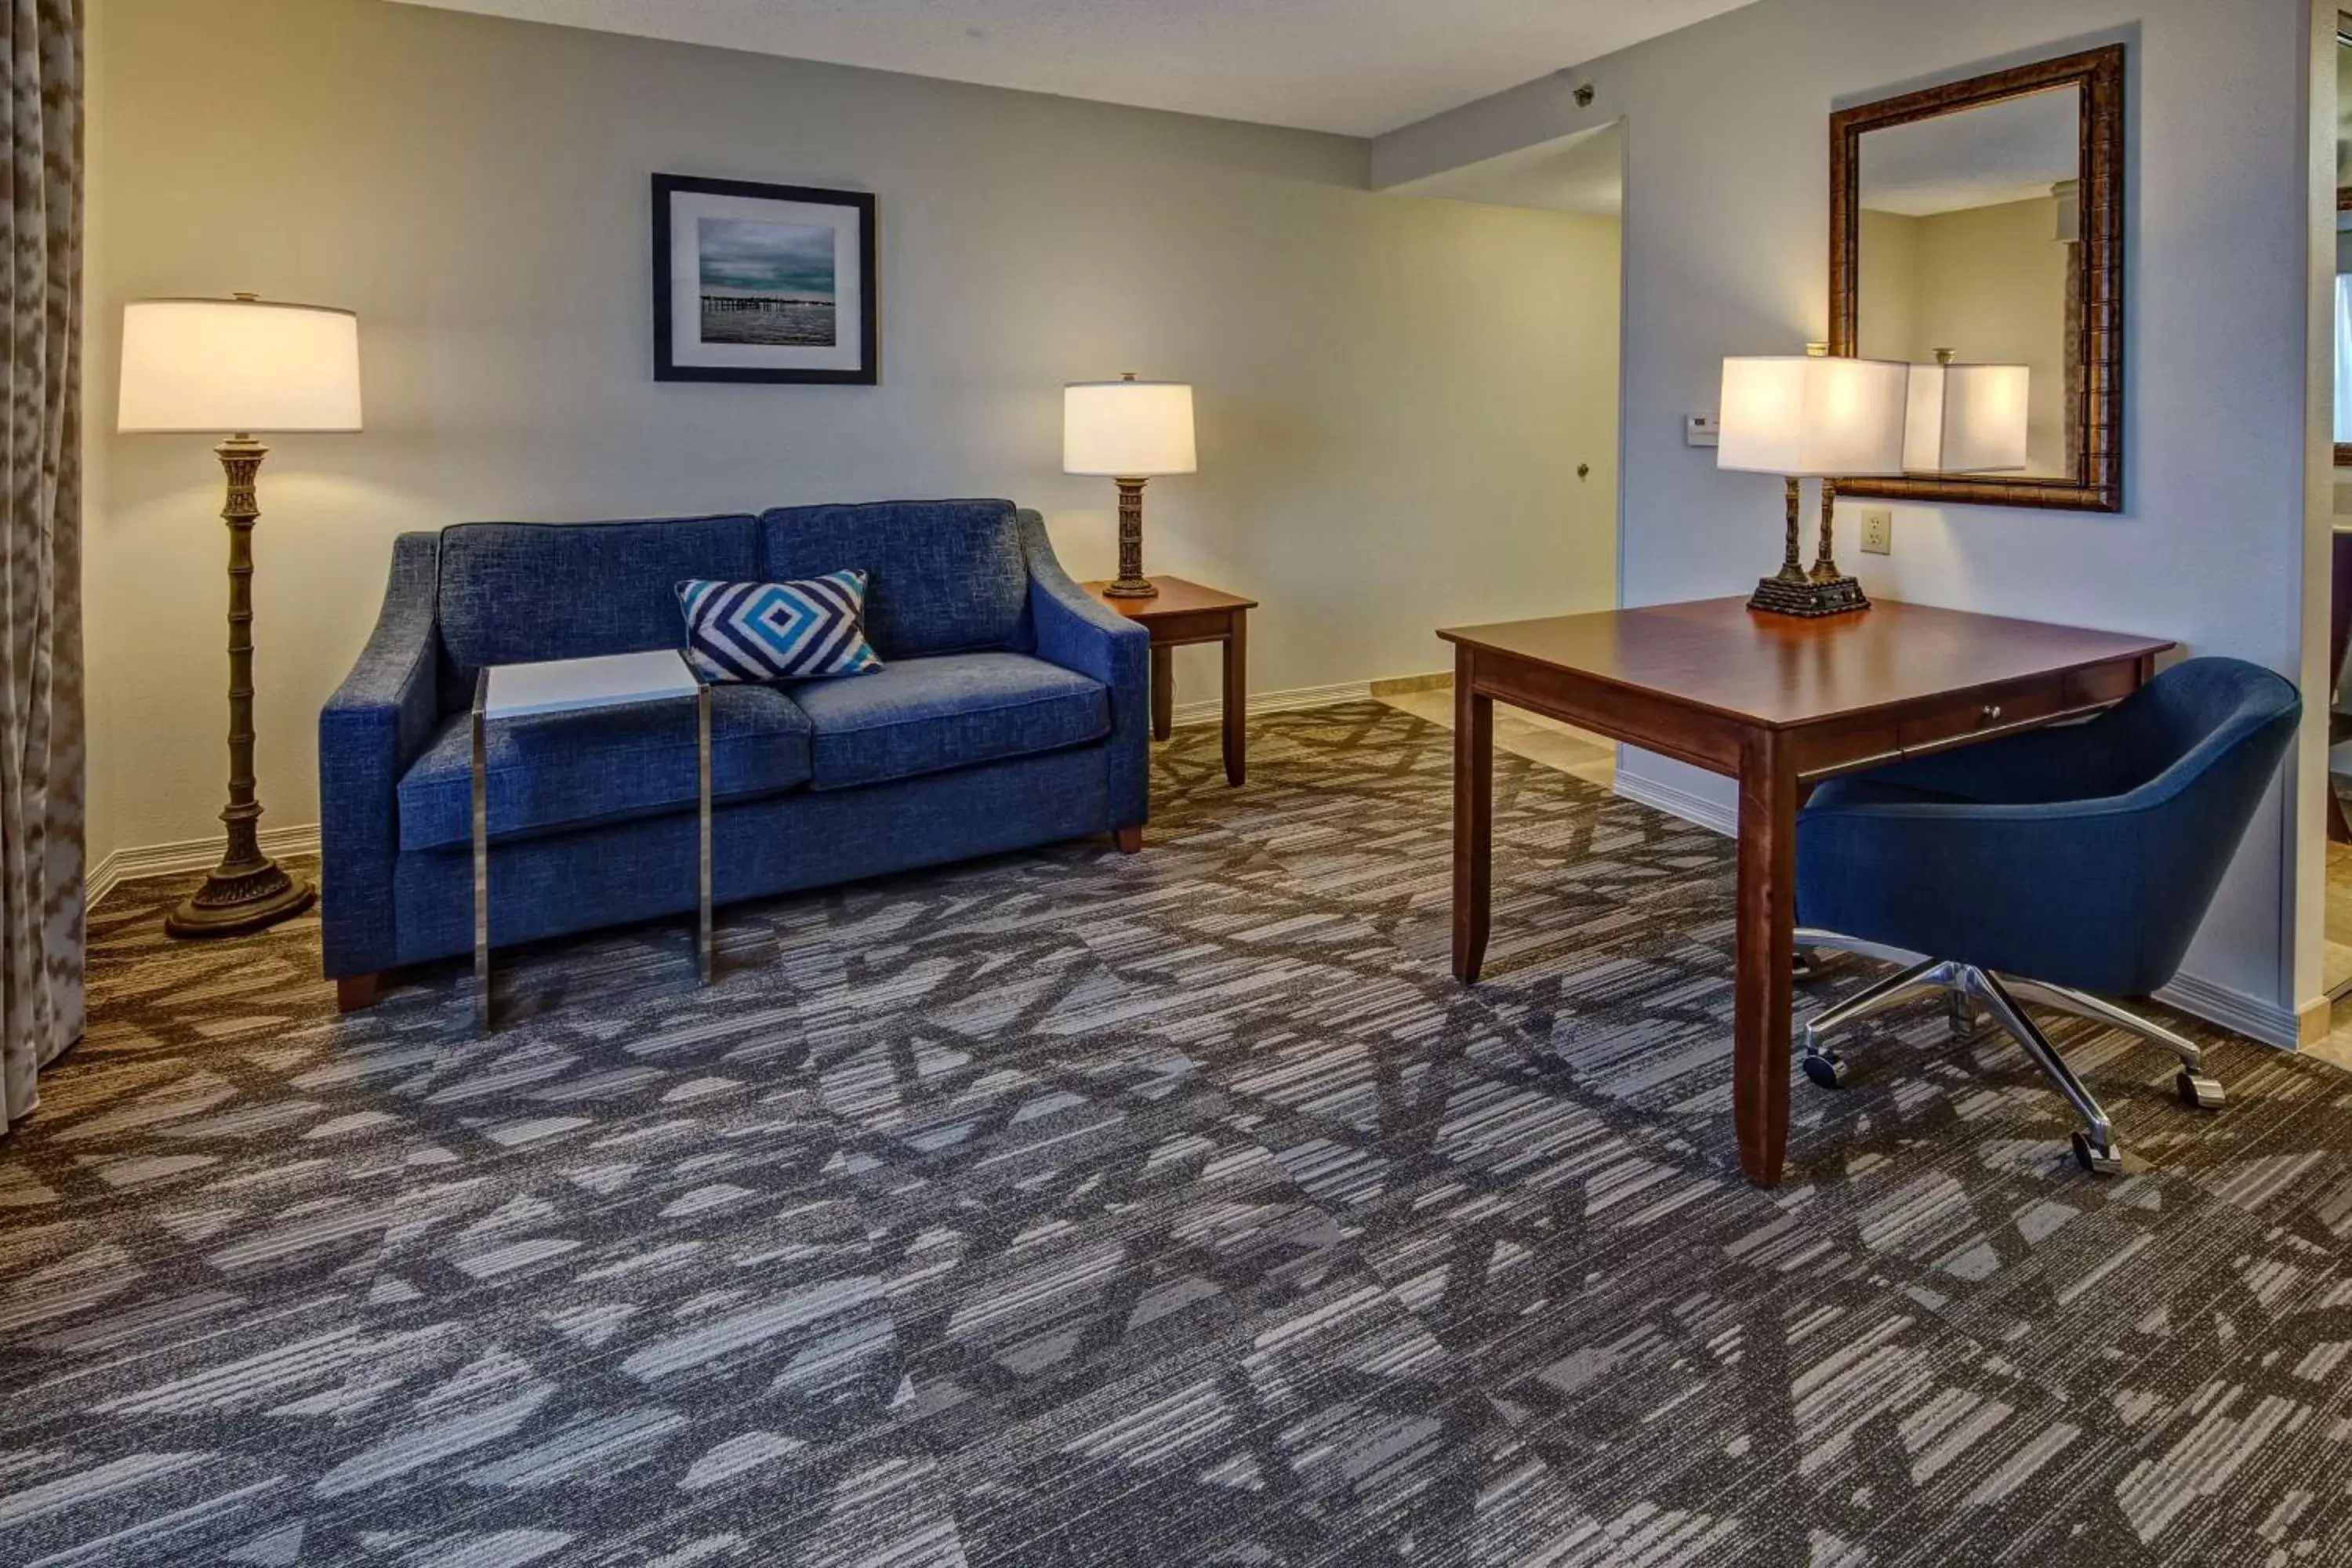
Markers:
{"x": 1726, "y": 252}
{"x": 1393, "y": 394}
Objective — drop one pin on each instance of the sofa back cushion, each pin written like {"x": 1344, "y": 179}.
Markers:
{"x": 942, "y": 576}
{"x": 514, "y": 591}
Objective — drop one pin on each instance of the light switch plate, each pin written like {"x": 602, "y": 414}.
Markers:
{"x": 1702, "y": 430}
{"x": 1878, "y": 532}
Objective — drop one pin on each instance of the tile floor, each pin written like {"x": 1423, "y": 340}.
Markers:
{"x": 1524, "y": 734}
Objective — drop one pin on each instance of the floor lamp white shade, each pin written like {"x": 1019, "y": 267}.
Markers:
{"x": 242, "y": 365}
{"x": 1807, "y": 416}
{"x": 1967, "y": 418}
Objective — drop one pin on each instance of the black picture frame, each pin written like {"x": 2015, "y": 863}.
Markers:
{"x": 668, "y": 336}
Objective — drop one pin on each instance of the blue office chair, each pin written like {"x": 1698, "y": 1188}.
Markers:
{"x": 2067, "y": 867}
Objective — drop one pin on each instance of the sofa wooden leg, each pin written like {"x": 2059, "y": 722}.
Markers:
{"x": 1130, "y": 839}
{"x": 353, "y": 991}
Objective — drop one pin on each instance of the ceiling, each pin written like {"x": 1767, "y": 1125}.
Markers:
{"x": 1355, "y": 66}
{"x": 1580, "y": 173}
{"x": 2008, "y": 152}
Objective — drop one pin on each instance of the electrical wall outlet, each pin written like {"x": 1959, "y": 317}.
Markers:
{"x": 1878, "y": 532}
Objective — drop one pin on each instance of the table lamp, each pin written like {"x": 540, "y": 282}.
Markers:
{"x": 1966, "y": 419}
{"x": 1129, "y": 431}
{"x": 1812, "y": 416}
{"x": 239, "y": 365}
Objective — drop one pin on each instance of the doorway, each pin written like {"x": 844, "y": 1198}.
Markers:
{"x": 1580, "y": 177}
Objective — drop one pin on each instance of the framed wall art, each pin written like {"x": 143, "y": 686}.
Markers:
{"x": 763, "y": 283}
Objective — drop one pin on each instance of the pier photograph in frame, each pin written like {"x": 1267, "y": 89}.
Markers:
{"x": 763, "y": 283}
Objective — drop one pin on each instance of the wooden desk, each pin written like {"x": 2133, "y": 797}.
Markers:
{"x": 1779, "y": 704}
{"x": 1186, "y": 613}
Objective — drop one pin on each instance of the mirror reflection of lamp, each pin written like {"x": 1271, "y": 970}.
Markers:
{"x": 1966, "y": 419}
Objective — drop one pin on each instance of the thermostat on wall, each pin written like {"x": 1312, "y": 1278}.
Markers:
{"x": 1702, "y": 430}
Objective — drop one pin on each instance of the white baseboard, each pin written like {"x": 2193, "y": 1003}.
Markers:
{"x": 1213, "y": 709}
{"x": 136, "y": 863}
{"x": 2217, "y": 1004}
{"x": 2233, "y": 1010}
{"x": 1714, "y": 815}
{"x": 1406, "y": 685}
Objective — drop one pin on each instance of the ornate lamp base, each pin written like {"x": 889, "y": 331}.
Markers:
{"x": 1811, "y": 598}
{"x": 1130, "y": 583}
{"x": 247, "y": 890}
{"x": 1824, "y": 590}
{"x": 237, "y": 901}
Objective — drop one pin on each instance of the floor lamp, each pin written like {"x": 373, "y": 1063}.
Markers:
{"x": 241, "y": 365}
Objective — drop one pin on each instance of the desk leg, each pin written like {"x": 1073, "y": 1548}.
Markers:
{"x": 1164, "y": 692}
{"x": 1237, "y": 701}
{"x": 1474, "y": 820}
{"x": 1761, "y": 995}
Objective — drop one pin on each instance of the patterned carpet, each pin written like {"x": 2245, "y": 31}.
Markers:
{"x": 1071, "y": 1208}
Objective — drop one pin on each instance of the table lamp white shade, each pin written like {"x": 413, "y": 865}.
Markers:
{"x": 238, "y": 366}
{"x": 1127, "y": 429}
{"x": 1967, "y": 418}
{"x": 1806, "y": 417}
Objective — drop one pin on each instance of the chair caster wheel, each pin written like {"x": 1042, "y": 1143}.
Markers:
{"x": 2099, "y": 1159}
{"x": 2197, "y": 1091}
{"x": 1805, "y": 967}
{"x": 1826, "y": 1068}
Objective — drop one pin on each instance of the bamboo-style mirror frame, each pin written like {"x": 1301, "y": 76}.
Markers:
{"x": 2098, "y": 456}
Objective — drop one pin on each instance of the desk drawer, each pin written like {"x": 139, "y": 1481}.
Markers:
{"x": 1990, "y": 707}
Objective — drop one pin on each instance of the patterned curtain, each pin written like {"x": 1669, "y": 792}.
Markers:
{"x": 40, "y": 549}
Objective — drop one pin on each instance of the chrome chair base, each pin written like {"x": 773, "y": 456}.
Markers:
{"x": 1969, "y": 987}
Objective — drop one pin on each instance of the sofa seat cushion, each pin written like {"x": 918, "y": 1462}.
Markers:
{"x": 926, "y": 715}
{"x": 570, "y": 769}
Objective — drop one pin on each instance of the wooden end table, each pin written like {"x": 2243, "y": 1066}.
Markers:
{"x": 1184, "y": 613}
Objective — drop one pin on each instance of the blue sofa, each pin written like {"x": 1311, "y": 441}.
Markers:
{"x": 1012, "y": 711}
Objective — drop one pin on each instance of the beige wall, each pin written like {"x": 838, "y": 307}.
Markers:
{"x": 1393, "y": 394}
{"x": 97, "y": 424}
{"x": 1989, "y": 283}
{"x": 1886, "y": 285}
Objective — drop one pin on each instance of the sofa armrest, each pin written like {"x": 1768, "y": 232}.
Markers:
{"x": 1078, "y": 632}
{"x": 374, "y": 726}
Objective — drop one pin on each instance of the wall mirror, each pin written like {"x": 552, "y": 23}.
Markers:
{"x": 2343, "y": 245}
{"x": 1977, "y": 229}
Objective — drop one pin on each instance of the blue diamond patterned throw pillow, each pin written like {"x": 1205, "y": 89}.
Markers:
{"x": 777, "y": 631}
